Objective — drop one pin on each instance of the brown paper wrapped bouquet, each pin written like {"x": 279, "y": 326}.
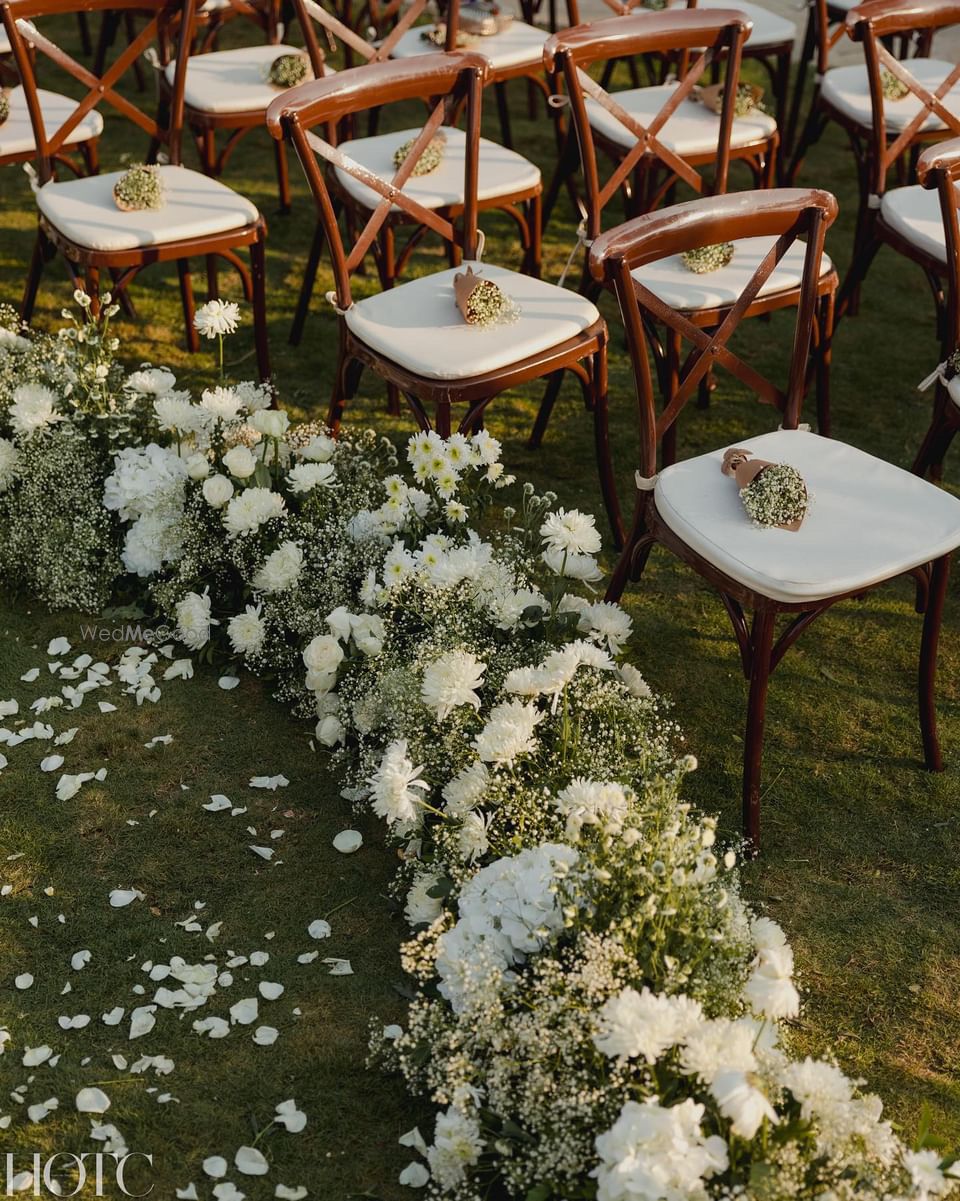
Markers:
{"x": 773, "y": 494}
{"x": 138, "y": 188}
{"x": 480, "y": 301}
{"x": 747, "y": 99}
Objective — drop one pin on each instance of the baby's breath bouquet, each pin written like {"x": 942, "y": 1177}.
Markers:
{"x": 287, "y": 70}
{"x": 4, "y": 105}
{"x": 892, "y": 87}
{"x": 773, "y": 494}
{"x": 707, "y": 258}
{"x": 430, "y": 157}
{"x": 746, "y": 101}
{"x": 481, "y": 301}
{"x": 139, "y": 187}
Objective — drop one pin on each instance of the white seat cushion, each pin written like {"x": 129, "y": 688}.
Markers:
{"x": 847, "y": 89}
{"x": 502, "y": 171}
{"x": 418, "y": 324}
{"x": 685, "y": 290}
{"x": 769, "y": 28}
{"x": 868, "y": 521}
{"x": 83, "y": 210}
{"x": 692, "y": 128}
{"x": 914, "y": 213}
{"x": 4, "y": 43}
{"x": 231, "y": 81}
{"x": 519, "y": 45}
{"x": 16, "y": 133}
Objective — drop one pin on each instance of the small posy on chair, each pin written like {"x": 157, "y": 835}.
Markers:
{"x": 773, "y": 494}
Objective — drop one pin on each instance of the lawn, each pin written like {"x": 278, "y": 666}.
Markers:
{"x": 861, "y": 844}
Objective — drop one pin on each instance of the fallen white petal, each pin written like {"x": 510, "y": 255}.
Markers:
{"x": 271, "y": 782}
{"x": 414, "y": 1175}
{"x": 244, "y": 1012}
{"x": 114, "y": 1017}
{"x": 51, "y": 763}
{"x": 120, "y": 897}
{"x": 29, "y": 676}
{"x": 308, "y": 956}
{"x": 290, "y": 1194}
{"x": 187, "y": 1194}
{"x": 348, "y": 841}
{"x": 34, "y": 1056}
{"x": 251, "y": 1162}
{"x": 79, "y": 960}
{"x": 270, "y": 990}
{"x": 265, "y": 1036}
{"x": 228, "y": 1191}
{"x": 92, "y": 1100}
{"x": 213, "y": 1027}
{"x": 142, "y": 1020}
{"x": 228, "y": 682}
{"x": 59, "y": 646}
{"x": 263, "y": 852}
{"x": 106, "y": 707}
{"x": 215, "y": 1166}
{"x": 289, "y": 1116}
{"x": 257, "y": 958}
{"x": 339, "y": 967}
{"x": 216, "y": 803}
{"x": 23, "y": 981}
{"x": 319, "y": 928}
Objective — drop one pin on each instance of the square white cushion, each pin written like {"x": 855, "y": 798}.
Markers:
{"x": 16, "y": 133}
{"x": 231, "y": 81}
{"x": 418, "y": 324}
{"x": 501, "y": 173}
{"x": 692, "y": 128}
{"x": 517, "y": 46}
{"x": 84, "y": 211}
{"x": 4, "y": 43}
{"x": 914, "y": 213}
{"x": 769, "y": 28}
{"x": 868, "y": 521}
{"x": 686, "y": 291}
{"x": 847, "y": 89}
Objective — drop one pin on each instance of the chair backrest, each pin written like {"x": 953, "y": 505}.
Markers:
{"x": 168, "y": 21}
{"x": 784, "y": 213}
{"x": 338, "y": 28}
{"x": 453, "y": 82}
{"x": 939, "y": 167}
{"x": 702, "y": 35}
{"x": 450, "y": 15}
{"x": 880, "y": 21}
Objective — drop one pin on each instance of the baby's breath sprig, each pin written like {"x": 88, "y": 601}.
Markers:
{"x": 140, "y": 187}
{"x": 430, "y": 157}
{"x": 707, "y": 258}
{"x": 892, "y": 87}
{"x": 287, "y": 70}
{"x": 777, "y": 497}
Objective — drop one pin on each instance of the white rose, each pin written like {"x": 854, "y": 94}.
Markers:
{"x": 330, "y": 731}
{"x": 272, "y": 423}
{"x": 240, "y": 462}
{"x": 368, "y": 633}
{"x": 198, "y": 466}
{"x": 340, "y": 622}
{"x": 217, "y": 490}
{"x": 323, "y": 654}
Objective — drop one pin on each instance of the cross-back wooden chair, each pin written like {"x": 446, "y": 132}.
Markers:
{"x": 412, "y": 335}
{"x": 657, "y": 136}
{"x": 888, "y": 134}
{"x": 868, "y": 521}
{"x": 506, "y": 182}
{"x": 515, "y": 52}
{"x": 938, "y": 170}
{"x": 78, "y": 218}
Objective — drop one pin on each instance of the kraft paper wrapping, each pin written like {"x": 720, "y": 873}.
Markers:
{"x": 744, "y": 468}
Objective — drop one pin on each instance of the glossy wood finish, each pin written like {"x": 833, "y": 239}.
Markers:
{"x": 167, "y": 21}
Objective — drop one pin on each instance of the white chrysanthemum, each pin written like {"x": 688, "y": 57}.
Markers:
{"x": 557, "y": 670}
{"x": 719, "y": 1045}
{"x": 606, "y": 623}
{"x": 645, "y": 1024}
{"x": 472, "y": 837}
{"x": 452, "y": 681}
{"x": 150, "y": 381}
{"x": 457, "y": 1145}
{"x": 8, "y": 463}
{"x": 509, "y": 732}
{"x": 223, "y": 404}
{"x": 770, "y": 990}
{"x": 175, "y": 411}
{"x": 397, "y": 565}
{"x": 509, "y": 606}
{"x": 281, "y": 568}
{"x": 466, "y": 788}
{"x": 254, "y": 396}
{"x": 742, "y": 1101}
{"x": 216, "y": 318}
{"x": 634, "y": 681}
{"x": 307, "y": 476}
{"x": 393, "y": 785}
{"x": 33, "y": 408}
{"x": 193, "y": 619}
{"x": 421, "y": 908}
{"x": 592, "y": 803}
{"x": 247, "y": 630}
{"x": 657, "y": 1153}
{"x": 571, "y": 533}
{"x": 572, "y": 567}
{"x": 250, "y": 509}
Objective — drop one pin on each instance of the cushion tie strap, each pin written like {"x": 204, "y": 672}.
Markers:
{"x": 646, "y": 483}
{"x": 582, "y": 240}
{"x": 938, "y": 373}
{"x": 331, "y": 299}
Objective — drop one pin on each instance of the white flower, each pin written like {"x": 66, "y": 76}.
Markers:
{"x": 247, "y": 630}
{"x": 770, "y": 990}
{"x": 368, "y": 632}
{"x": 465, "y": 789}
{"x": 455, "y": 512}
{"x": 323, "y": 654}
{"x": 194, "y": 620}
{"x": 153, "y": 540}
{"x": 33, "y": 408}
{"x": 250, "y": 509}
{"x": 509, "y": 732}
{"x": 319, "y": 449}
{"x": 652, "y": 1153}
{"x": 281, "y": 568}
{"x": 272, "y": 423}
{"x": 472, "y": 837}
{"x": 217, "y": 490}
{"x": 486, "y": 447}
{"x": 634, "y": 681}
{"x": 742, "y": 1102}
{"x": 306, "y": 476}
{"x": 151, "y": 381}
{"x": 717, "y": 1046}
{"x": 144, "y": 478}
{"x": 926, "y": 1174}
{"x": 197, "y": 466}
{"x": 216, "y": 318}
{"x": 457, "y": 1144}
{"x": 174, "y": 411}
{"x": 573, "y": 567}
{"x": 397, "y": 565}
{"x": 586, "y": 802}
{"x": 223, "y": 404}
{"x": 644, "y": 1024}
{"x": 420, "y": 907}
{"x": 606, "y": 623}
{"x": 767, "y": 934}
{"x": 330, "y": 730}
{"x": 240, "y": 462}
{"x": 451, "y": 681}
{"x": 570, "y": 533}
{"x": 13, "y": 342}
{"x": 8, "y": 463}
{"x": 392, "y": 787}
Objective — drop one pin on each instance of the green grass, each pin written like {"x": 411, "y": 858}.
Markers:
{"x": 861, "y": 844}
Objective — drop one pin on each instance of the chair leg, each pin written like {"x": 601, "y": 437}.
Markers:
{"x": 928, "y": 662}
{"x": 283, "y": 175}
{"x": 601, "y": 436}
{"x": 533, "y": 259}
{"x": 306, "y": 287}
{"x": 546, "y": 408}
{"x": 37, "y": 261}
{"x": 442, "y": 422}
{"x": 936, "y": 442}
{"x": 258, "y": 275}
{"x": 761, "y": 644}
{"x": 503, "y": 110}
{"x": 812, "y": 131}
{"x": 186, "y": 299}
{"x": 799, "y": 83}
{"x": 92, "y": 288}
{"x": 567, "y": 163}
{"x": 824, "y": 353}
{"x": 848, "y": 299}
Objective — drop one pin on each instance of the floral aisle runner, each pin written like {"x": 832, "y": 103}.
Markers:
{"x": 598, "y": 1014}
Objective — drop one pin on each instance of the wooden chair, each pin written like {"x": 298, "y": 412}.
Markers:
{"x": 705, "y": 300}
{"x": 412, "y": 335}
{"x": 656, "y": 136}
{"x": 869, "y": 521}
{"x": 939, "y": 173}
{"x": 507, "y": 182}
{"x": 79, "y": 219}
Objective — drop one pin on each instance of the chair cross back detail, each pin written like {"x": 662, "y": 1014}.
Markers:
{"x": 931, "y": 102}
{"x": 335, "y": 28}
{"x": 25, "y": 38}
